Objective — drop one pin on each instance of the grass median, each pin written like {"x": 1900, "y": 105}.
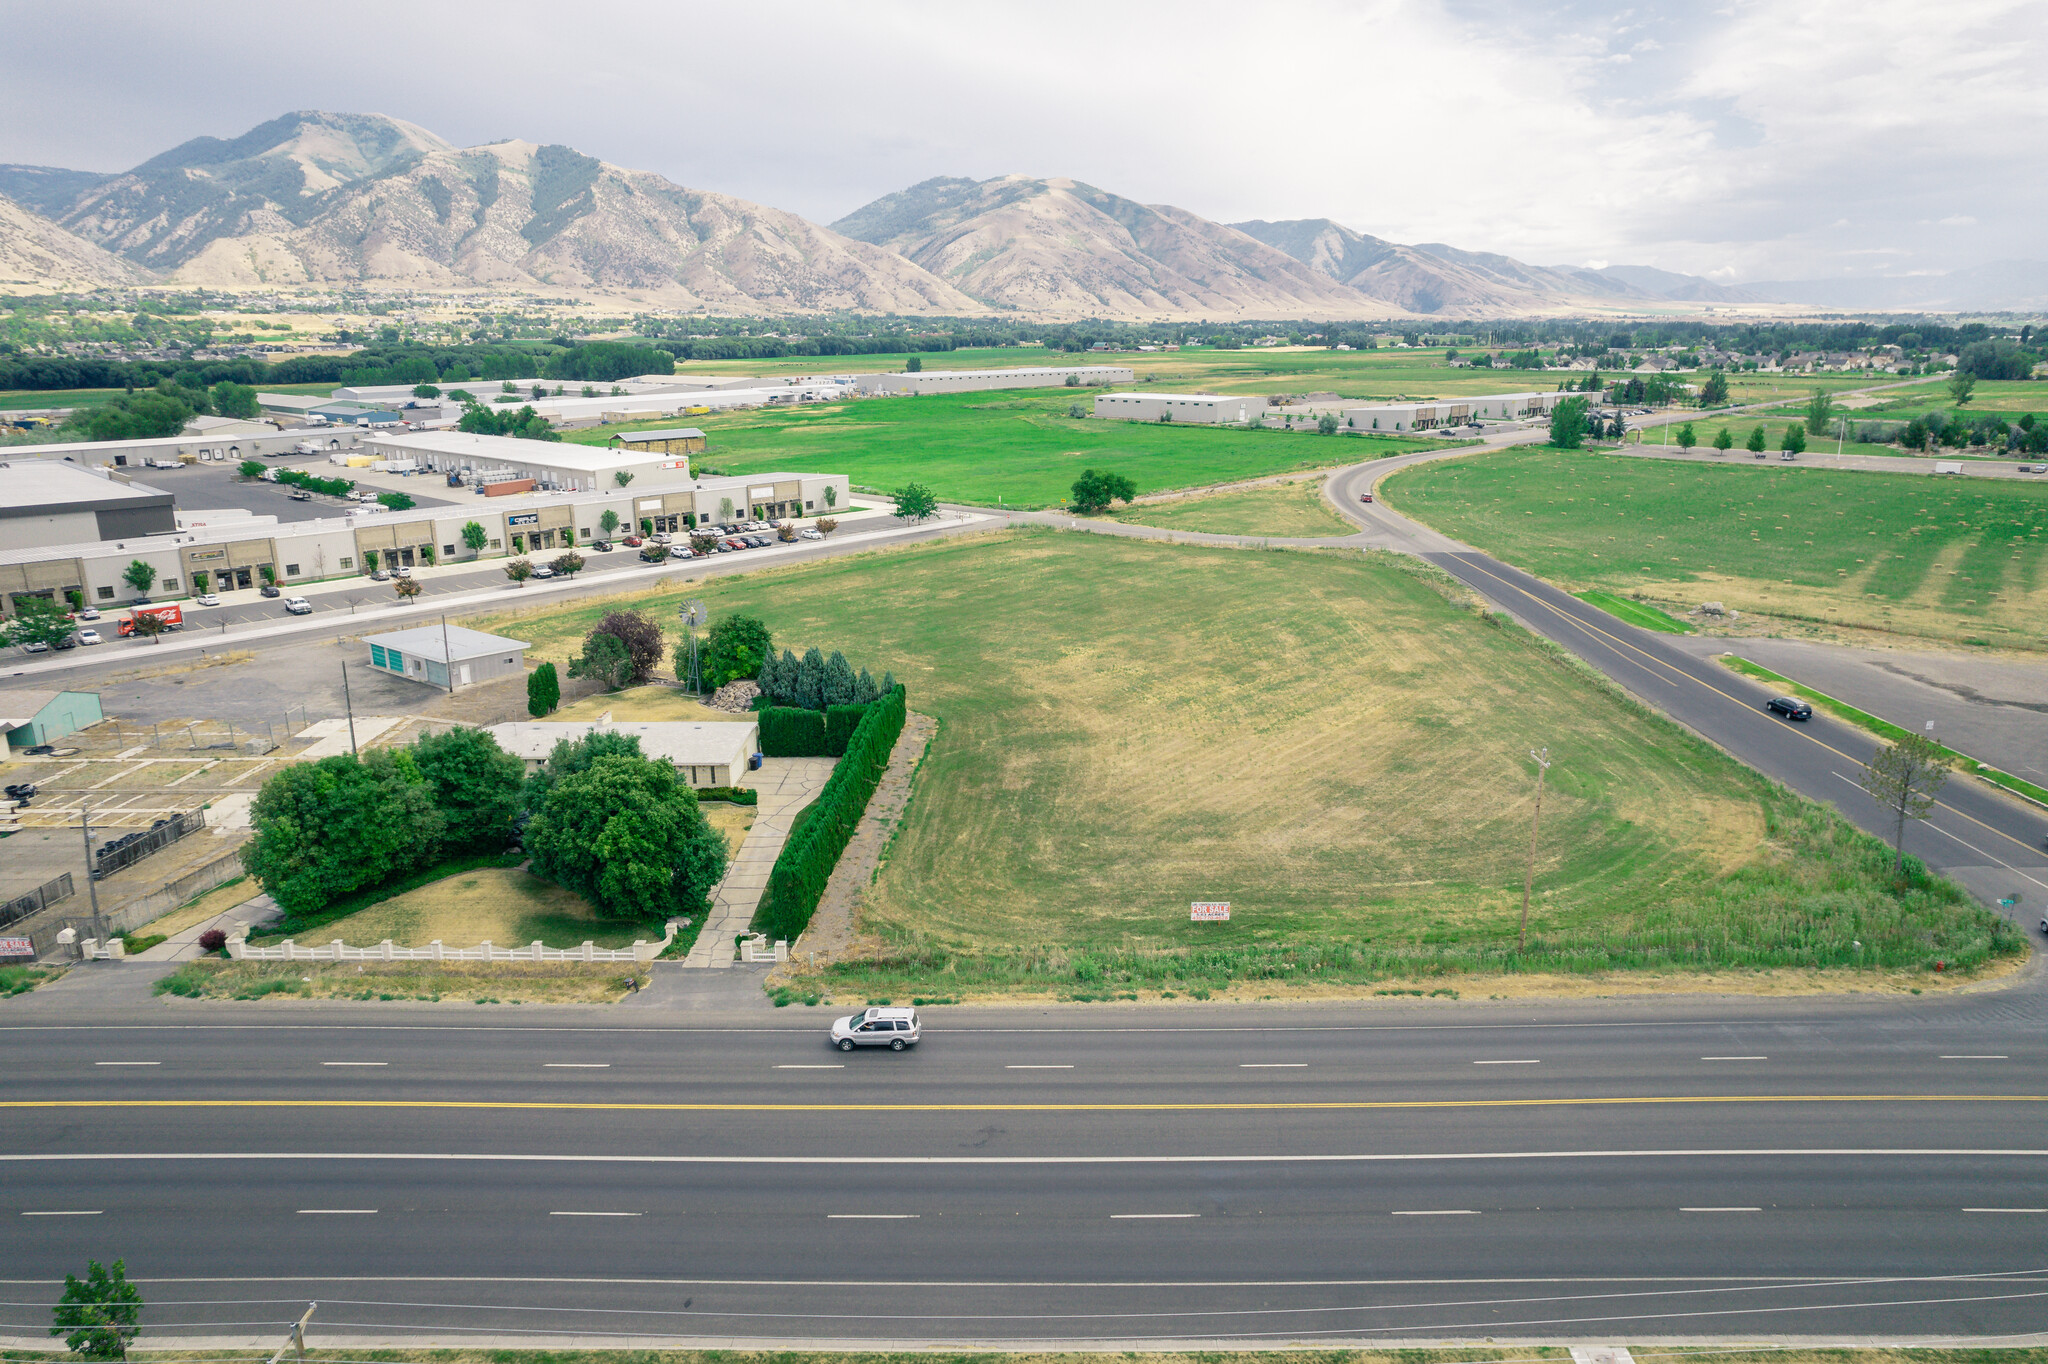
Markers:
{"x": 1336, "y": 744}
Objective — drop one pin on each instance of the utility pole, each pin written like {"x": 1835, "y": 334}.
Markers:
{"x": 350, "y": 704}
{"x": 297, "y": 1343}
{"x": 447, "y": 654}
{"x": 1542, "y": 757}
{"x": 99, "y": 925}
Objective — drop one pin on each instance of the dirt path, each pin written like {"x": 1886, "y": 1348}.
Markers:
{"x": 832, "y": 927}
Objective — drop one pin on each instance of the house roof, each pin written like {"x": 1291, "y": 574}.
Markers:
{"x": 18, "y": 708}
{"x": 426, "y": 641}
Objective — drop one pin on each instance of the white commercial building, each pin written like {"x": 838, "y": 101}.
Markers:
{"x": 550, "y": 464}
{"x": 53, "y": 503}
{"x": 130, "y": 454}
{"x": 1449, "y": 412}
{"x": 1211, "y": 408}
{"x": 981, "y": 380}
{"x": 704, "y": 753}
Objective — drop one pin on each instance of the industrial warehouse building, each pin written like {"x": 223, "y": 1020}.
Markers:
{"x": 1448, "y": 412}
{"x": 550, "y": 464}
{"x": 982, "y": 380}
{"x": 244, "y": 551}
{"x": 711, "y": 753}
{"x": 1211, "y": 408}
{"x": 431, "y": 653}
{"x": 45, "y": 502}
{"x": 133, "y": 454}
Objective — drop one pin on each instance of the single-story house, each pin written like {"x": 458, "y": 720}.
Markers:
{"x": 676, "y": 440}
{"x": 426, "y": 653}
{"x": 708, "y": 753}
{"x": 29, "y": 718}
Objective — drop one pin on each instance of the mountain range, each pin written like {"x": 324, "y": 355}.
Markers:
{"x": 328, "y": 200}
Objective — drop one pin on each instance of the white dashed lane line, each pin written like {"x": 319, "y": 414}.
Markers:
{"x": 1508, "y": 1063}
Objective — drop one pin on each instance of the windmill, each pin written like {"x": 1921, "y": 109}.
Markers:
{"x": 693, "y": 614}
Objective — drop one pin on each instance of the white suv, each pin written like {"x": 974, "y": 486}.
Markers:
{"x": 877, "y": 1027}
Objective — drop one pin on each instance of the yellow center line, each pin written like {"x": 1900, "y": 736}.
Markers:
{"x": 1334, "y": 1105}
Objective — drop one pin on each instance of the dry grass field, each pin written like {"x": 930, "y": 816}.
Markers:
{"x": 501, "y": 905}
{"x": 499, "y": 982}
{"x": 1292, "y": 509}
{"x": 1333, "y": 742}
{"x": 219, "y": 900}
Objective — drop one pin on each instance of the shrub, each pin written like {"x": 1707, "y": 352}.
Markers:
{"x": 738, "y": 795}
{"x": 798, "y": 878}
{"x": 543, "y": 690}
{"x": 793, "y": 732}
{"x": 735, "y": 648}
{"x": 213, "y": 940}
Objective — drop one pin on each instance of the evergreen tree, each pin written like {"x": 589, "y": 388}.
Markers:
{"x": 888, "y": 683}
{"x": 866, "y": 693}
{"x": 839, "y": 681}
{"x": 543, "y": 690}
{"x": 810, "y": 687}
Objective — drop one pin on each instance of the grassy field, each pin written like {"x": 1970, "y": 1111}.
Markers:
{"x": 1952, "y": 561}
{"x": 498, "y": 982}
{"x": 1635, "y": 612}
{"x": 501, "y": 905}
{"x": 1018, "y": 449}
{"x": 1328, "y": 741}
{"x": 191, "y": 914}
{"x": 1293, "y": 508}
{"x": 19, "y": 399}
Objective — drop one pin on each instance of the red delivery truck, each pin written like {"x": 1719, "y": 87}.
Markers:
{"x": 172, "y": 615}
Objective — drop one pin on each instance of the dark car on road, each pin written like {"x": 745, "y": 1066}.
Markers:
{"x": 1791, "y": 707}
{"x": 271, "y": 590}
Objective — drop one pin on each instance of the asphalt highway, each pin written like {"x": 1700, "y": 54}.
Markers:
{"x": 1715, "y": 1169}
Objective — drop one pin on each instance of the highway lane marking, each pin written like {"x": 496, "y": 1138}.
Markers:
{"x": 1720, "y": 1209}
{"x": 1335, "y": 1157}
{"x": 2005, "y": 1209}
{"x": 127, "y": 1063}
{"x": 872, "y": 1216}
{"x": 836, "y": 1065}
{"x": 1247, "y": 1105}
{"x": 1150, "y": 1216}
{"x": 1735, "y": 1058}
{"x": 1955, "y": 838}
{"x": 95, "y": 1212}
{"x": 593, "y": 1214}
{"x": 558, "y": 1065}
{"x": 1434, "y": 1212}
{"x": 1037, "y": 1067}
{"x": 1976, "y": 1058}
{"x": 1272, "y": 1065}
{"x": 1731, "y": 697}
{"x": 337, "y": 1212}
{"x": 1507, "y": 1063}
{"x": 355, "y": 1063}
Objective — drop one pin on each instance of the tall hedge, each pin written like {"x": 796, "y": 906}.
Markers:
{"x": 840, "y": 723}
{"x": 792, "y": 732}
{"x": 797, "y": 881}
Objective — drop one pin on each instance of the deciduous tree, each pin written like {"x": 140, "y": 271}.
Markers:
{"x": 915, "y": 502}
{"x": 475, "y": 537}
{"x": 1687, "y": 437}
{"x": 1093, "y": 491}
{"x": 476, "y": 784}
{"x": 735, "y": 647}
{"x": 1904, "y": 778}
{"x": 139, "y": 575}
{"x": 1756, "y": 438}
{"x": 627, "y": 835}
{"x": 329, "y": 827}
{"x": 1568, "y": 424}
{"x": 1962, "y": 386}
{"x": 604, "y": 658}
{"x": 100, "y": 1314}
{"x": 38, "y": 620}
{"x": 1724, "y": 439}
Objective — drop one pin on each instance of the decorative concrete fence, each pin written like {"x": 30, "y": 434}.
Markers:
{"x": 641, "y": 950}
{"x": 755, "y": 948}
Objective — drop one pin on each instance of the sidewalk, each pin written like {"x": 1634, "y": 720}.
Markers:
{"x": 786, "y": 785}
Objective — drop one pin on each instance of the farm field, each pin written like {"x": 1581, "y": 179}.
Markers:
{"x": 1953, "y": 561}
{"x": 1332, "y": 742}
{"x": 1016, "y": 449}
{"x": 1739, "y": 425}
{"x": 1292, "y": 509}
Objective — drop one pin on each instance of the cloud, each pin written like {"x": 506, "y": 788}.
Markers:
{"x": 1547, "y": 129}
{"x": 1956, "y": 220}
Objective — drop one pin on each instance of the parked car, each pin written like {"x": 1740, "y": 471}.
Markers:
{"x": 634, "y": 541}
{"x": 272, "y": 590}
{"x": 89, "y": 613}
{"x": 810, "y": 533}
{"x": 880, "y": 1026}
{"x": 298, "y": 606}
{"x": 35, "y": 646}
{"x": 1791, "y": 707}
{"x": 601, "y": 546}
{"x": 88, "y": 636}
{"x": 301, "y": 495}
{"x": 206, "y": 599}
{"x": 402, "y": 571}
{"x": 543, "y": 571}
{"x": 380, "y": 576}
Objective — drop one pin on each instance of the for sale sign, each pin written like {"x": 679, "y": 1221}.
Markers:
{"x": 16, "y": 947}
{"x": 1208, "y": 911}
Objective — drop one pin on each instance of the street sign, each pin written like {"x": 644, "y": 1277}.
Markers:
{"x": 1208, "y": 911}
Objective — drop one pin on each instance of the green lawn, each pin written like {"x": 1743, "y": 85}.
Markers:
{"x": 1017, "y": 449}
{"x": 1292, "y": 509}
{"x": 1636, "y": 613}
{"x": 1333, "y": 742}
{"x": 17, "y": 399}
{"x": 1948, "y": 560}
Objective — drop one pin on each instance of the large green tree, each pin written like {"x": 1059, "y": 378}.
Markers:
{"x": 475, "y": 537}
{"x": 1820, "y": 409}
{"x": 100, "y": 1314}
{"x": 627, "y": 835}
{"x": 1714, "y": 393}
{"x": 1904, "y": 778}
{"x": 1962, "y": 386}
{"x": 735, "y": 647}
{"x": 1568, "y": 424}
{"x": 543, "y": 691}
{"x": 915, "y": 502}
{"x": 38, "y": 620}
{"x": 326, "y": 828}
{"x": 604, "y": 659}
{"x": 1093, "y": 491}
{"x": 140, "y": 575}
{"x": 476, "y": 786}
{"x": 231, "y": 399}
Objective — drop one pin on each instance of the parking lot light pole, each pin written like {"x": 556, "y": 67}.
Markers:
{"x": 99, "y": 925}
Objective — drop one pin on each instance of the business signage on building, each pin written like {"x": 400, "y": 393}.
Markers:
{"x": 650, "y": 504}
{"x": 1209, "y": 911}
{"x": 766, "y": 494}
{"x": 16, "y": 947}
{"x": 523, "y": 519}
{"x": 673, "y": 464}
{"x": 200, "y": 556}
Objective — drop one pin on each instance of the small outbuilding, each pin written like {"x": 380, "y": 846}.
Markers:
{"x": 29, "y": 718}
{"x": 429, "y": 653}
{"x": 676, "y": 440}
{"x": 708, "y": 753}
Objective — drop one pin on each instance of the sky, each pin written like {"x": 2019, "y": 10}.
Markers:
{"x": 1741, "y": 141}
